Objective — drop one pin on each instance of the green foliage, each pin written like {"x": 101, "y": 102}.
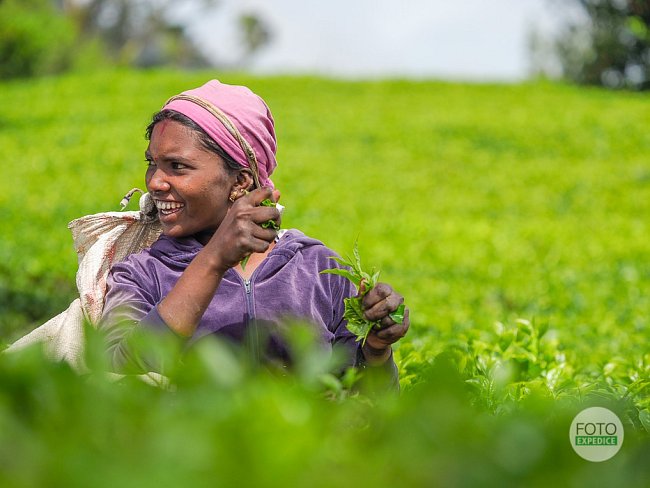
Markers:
{"x": 148, "y": 33}
{"x": 509, "y": 363}
{"x": 145, "y": 33}
{"x": 356, "y": 322}
{"x": 35, "y": 39}
{"x": 522, "y": 205}
{"x": 44, "y": 37}
{"x": 219, "y": 420}
{"x": 608, "y": 44}
{"x": 269, "y": 224}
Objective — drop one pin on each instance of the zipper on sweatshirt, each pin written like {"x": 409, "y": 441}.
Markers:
{"x": 251, "y": 329}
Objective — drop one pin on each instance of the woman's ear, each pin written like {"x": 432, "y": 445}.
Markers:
{"x": 244, "y": 181}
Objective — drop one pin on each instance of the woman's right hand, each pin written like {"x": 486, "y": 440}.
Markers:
{"x": 240, "y": 233}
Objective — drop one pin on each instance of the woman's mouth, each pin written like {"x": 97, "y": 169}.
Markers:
{"x": 168, "y": 208}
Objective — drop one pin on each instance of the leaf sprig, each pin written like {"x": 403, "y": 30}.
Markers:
{"x": 269, "y": 224}
{"x": 357, "y": 323}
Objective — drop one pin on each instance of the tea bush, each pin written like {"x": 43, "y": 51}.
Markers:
{"x": 512, "y": 218}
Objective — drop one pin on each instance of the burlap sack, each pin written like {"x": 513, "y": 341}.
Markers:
{"x": 100, "y": 241}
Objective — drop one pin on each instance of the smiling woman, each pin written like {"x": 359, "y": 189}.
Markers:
{"x": 188, "y": 183}
{"x": 210, "y": 156}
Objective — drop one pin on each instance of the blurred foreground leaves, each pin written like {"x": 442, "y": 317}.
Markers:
{"x": 225, "y": 422}
{"x": 481, "y": 204}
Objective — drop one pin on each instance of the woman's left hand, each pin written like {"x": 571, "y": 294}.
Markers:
{"x": 377, "y": 306}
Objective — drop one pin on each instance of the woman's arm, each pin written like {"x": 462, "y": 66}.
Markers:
{"x": 134, "y": 308}
{"x": 238, "y": 236}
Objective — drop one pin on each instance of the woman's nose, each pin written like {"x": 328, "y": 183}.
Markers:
{"x": 156, "y": 180}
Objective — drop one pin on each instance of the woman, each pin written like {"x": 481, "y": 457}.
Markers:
{"x": 211, "y": 152}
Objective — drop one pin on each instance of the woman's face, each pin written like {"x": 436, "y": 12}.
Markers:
{"x": 189, "y": 184}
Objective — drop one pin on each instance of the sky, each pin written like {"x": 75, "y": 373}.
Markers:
{"x": 465, "y": 39}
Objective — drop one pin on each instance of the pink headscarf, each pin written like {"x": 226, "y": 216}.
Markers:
{"x": 246, "y": 111}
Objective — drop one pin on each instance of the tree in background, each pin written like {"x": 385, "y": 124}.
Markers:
{"x": 154, "y": 32}
{"x": 255, "y": 33}
{"x": 48, "y": 36}
{"x": 607, "y": 43}
{"x": 35, "y": 38}
{"x": 139, "y": 32}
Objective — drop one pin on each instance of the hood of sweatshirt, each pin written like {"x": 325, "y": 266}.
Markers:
{"x": 178, "y": 253}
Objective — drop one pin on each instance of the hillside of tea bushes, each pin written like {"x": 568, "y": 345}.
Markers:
{"x": 513, "y": 218}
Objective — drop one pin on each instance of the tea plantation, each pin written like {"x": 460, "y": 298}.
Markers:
{"x": 513, "y": 218}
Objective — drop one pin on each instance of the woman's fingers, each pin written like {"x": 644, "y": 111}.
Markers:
{"x": 255, "y": 197}
{"x": 263, "y": 234}
{"x": 259, "y": 215}
{"x": 382, "y": 338}
{"x": 243, "y": 232}
{"x": 258, "y": 195}
{"x": 380, "y": 302}
{"x": 254, "y": 237}
{"x": 377, "y": 294}
{"x": 259, "y": 245}
{"x": 249, "y": 206}
{"x": 395, "y": 332}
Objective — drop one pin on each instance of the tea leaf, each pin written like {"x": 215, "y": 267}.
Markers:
{"x": 357, "y": 323}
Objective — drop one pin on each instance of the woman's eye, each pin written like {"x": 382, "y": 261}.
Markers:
{"x": 149, "y": 162}
{"x": 178, "y": 166}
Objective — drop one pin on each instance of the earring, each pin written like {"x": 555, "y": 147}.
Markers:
{"x": 233, "y": 196}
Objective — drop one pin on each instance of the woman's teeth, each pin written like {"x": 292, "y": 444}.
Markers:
{"x": 167, "y": 208}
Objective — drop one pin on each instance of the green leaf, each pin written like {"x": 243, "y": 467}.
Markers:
{"x": 374, "y": 279}
{"x": 342, "y": 272}
{"x": 644, "y": 417}
{"x": 270, "y": 224}
{"x": 398, "y": 315}
{"x": 341, "y": 261}
{"x": 357, "y": 324}
{"x": 331, "y": 382}
{"x": 355, "y": 252}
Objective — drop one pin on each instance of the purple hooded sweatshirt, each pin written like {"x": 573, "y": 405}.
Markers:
{"x": 286, "y": 285}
